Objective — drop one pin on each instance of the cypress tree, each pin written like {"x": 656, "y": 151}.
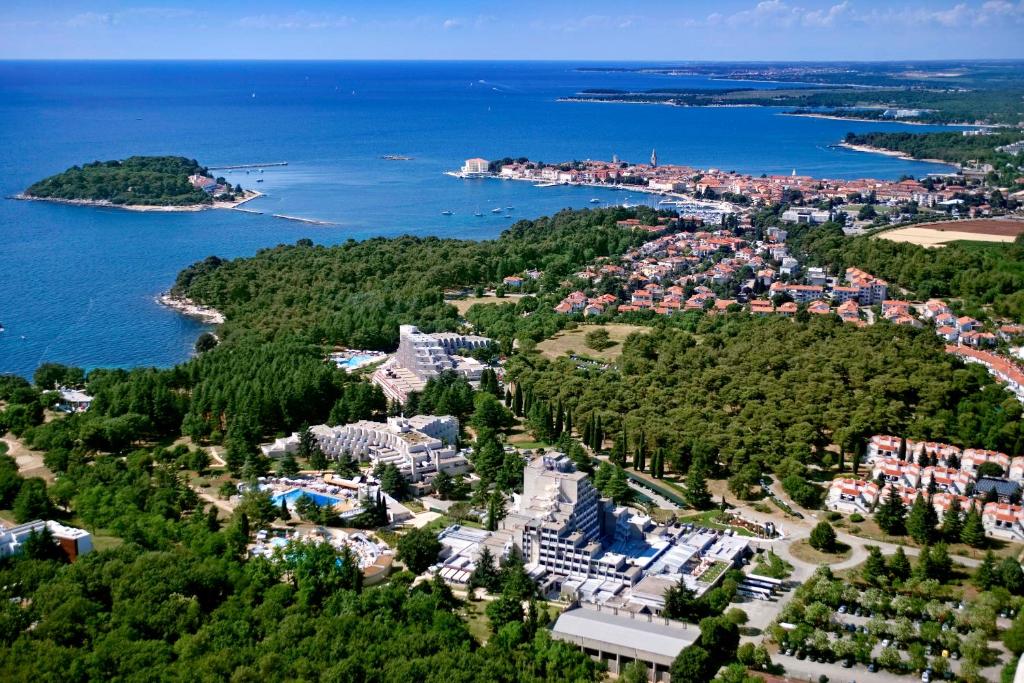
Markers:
{"x": 559, "y": 423}
{"x": 902, "y": 452}
{"x": 567, "y": 427}
{"x": 891, "y": 514}
{"x": 921, "y": 520}
{"x": 985, "y": 576}
{"x": 973, "y": 532}
{"x": 952, "y": 521}
{"x": 697, "y": 494}
{"x": 874, "y": 567}
{"x": 899, "y": 565}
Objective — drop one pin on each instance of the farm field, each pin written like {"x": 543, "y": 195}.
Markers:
{"x": 942, "y": 233}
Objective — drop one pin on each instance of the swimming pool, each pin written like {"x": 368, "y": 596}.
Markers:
{"x": 291, "y": 496}
{"x": 357, "y": 360}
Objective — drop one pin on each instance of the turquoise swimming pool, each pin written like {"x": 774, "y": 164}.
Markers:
{"x": 291, "y": 496}
{"x": 356, "y": 361}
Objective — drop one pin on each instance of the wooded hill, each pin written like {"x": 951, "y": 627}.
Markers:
{"x": 138, "y": 180}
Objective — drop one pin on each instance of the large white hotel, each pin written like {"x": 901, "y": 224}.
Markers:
{"x": 421, "y": 356}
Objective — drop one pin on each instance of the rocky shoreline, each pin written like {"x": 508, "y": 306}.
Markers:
{"x": 186, "y": 306}
{"x": 249, "y": 195}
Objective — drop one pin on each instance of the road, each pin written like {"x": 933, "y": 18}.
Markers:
{"x": 659, "y": 500}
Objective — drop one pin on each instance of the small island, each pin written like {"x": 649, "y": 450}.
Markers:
{"x": 141, "y": 183}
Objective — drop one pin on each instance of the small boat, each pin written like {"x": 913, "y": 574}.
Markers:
{"x": 498, "y": 210}
{"x": 508, "y": 208}
{"x": 595, "y": 200}
{"x": 446, "y": 213}
{"x": 1, "y": 327}
{"x": 259, "y": 180}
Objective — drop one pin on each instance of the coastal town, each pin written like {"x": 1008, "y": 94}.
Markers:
{"x": 539, "y": 343}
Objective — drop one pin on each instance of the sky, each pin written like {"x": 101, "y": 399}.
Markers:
{"x": 611, "y": 30}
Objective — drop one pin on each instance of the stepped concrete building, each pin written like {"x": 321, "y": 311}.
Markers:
{"x": 419, "y": 446}
{"x": 421, "y": 356}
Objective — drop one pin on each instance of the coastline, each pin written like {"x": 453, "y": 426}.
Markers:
{"x": 144, "y": 208}
{"x": 712, "y": 204}
{"x": 186, "y": 306}
{"x": 863, "y": 119}
{"x": 668, "y": 103}
{"x": 893, "y": 153}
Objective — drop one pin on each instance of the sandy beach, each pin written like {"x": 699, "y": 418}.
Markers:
{"x": 891, "y": 153}
{"x": 248, "y": 196}
{"x": 186, "y": 306}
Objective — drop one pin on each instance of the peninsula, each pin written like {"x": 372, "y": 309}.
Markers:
{"x": 141, "y": 183}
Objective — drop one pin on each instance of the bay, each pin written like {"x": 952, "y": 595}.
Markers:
{"x": 77, "y": 284}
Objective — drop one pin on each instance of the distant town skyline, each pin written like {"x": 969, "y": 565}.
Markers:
{"x": 805, "y": 30}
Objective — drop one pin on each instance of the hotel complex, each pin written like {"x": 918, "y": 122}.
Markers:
{"x": 421, "y": 356}
{"x": 575, "y": 543}
{"x": 419, "y": 446}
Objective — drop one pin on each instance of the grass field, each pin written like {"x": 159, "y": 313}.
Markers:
{"x": 803, "y": 551}
{"x": 573, "y": 340}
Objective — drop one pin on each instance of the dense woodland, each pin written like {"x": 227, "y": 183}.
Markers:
{"x": 953, "y": 147}
{"x": 745, "y": 390}
{"x": 997, "y": 105}
{"x": 157, "y": 181}
{"x": 979, "y": 274}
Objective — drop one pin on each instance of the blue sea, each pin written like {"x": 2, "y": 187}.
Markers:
{"x": 77, "y": 284}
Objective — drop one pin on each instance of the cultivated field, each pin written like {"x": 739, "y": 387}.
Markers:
{"x": 573, "y": 340}
{"x": 939, "y": 234}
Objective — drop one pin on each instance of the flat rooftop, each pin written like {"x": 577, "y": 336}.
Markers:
{"x": 624, "y": 632}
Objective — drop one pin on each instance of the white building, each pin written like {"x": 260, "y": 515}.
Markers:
{"x": 475, "y": 167}
{"x": 419, "y": 446}
{"x": 73, "y": 400}
{"x": 421, "y": 356}
{"x": 74, "y": 542}
{"x": 805, "y": 216}
{"x": 852, "y": 495}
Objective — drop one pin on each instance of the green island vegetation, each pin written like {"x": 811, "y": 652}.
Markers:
{"x": 953, "y": 147}
{"x": 135, "y": 181}
{"x": 982, "y": 276}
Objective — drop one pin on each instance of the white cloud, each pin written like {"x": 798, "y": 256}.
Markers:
{"x": 450, "y": 24}
{"x": 826, "y": 18}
